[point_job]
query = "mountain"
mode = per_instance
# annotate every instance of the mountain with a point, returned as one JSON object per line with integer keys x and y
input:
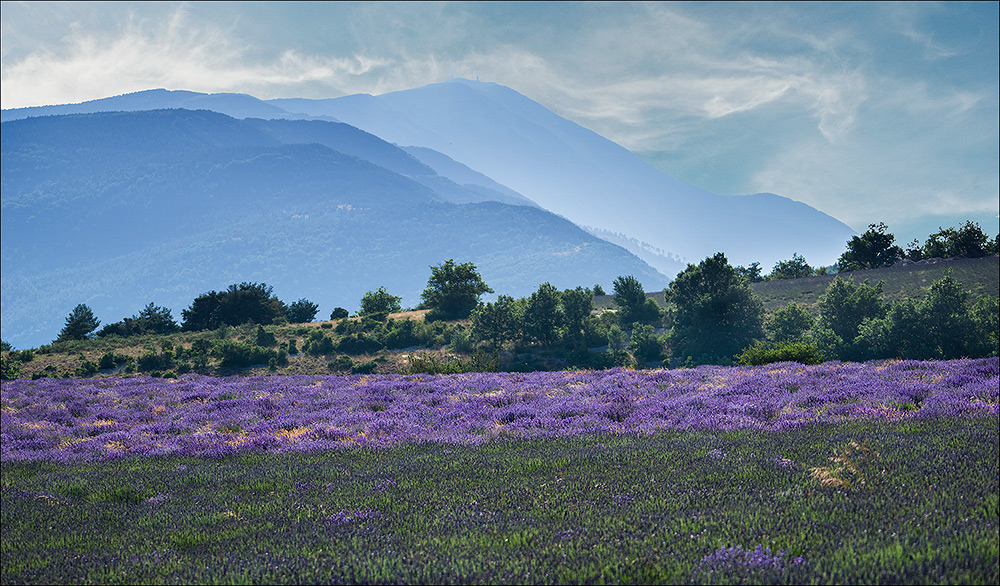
{"x": 123, "y": 208}
{"x": 590, "y": 180}
{"x": 539, "y": 158}
{"x": 235, "y": 105}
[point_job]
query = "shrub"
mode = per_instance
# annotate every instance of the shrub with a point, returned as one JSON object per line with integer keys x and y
{"x": 302, "y": 311}
{"x": 760, "y": 353}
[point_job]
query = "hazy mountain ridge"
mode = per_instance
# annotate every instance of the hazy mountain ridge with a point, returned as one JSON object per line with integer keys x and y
{"x": 120, "y": 209}
{"x": 576, "y": 173}
{"x": 556, "y": 164}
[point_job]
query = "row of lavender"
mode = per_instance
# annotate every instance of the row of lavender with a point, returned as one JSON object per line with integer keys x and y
{"x": 72, "y": 420}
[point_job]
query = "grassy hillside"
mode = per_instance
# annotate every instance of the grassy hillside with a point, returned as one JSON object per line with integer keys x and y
{"x": 903, "y": 280}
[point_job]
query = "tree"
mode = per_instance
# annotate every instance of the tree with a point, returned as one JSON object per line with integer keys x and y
{"x": 796, "y": 268}
{"x": 717, "y": 313}
{"x": 644, "y": 344}
{"x": 634, "y": 306}
{"x": 379, "y": 304}
{"x": 576, "y": 306}
{"x": 79, "y": 324}
{"x": 789, "y": 324}
{"x": 156, "y": 320}
{"x": 751, "y": 273}
{"x": 339, "y": 313}
{"x": 238, "y": 304}
{"x": 874, "y": 249}
{"x": 302, "y": 311}
{"x": 453, "y": 290}
{"x": 967, "y": 241}
{"x": 543, "y": 315}
{"x": 843, "y": 307}
{"x": 498, "y": 322}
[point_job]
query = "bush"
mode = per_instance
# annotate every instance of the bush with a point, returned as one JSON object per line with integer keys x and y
{"x": 238, "y": 354}
{"x": 265, "y": 338}
{"x": 339, "y": 313}
{"x": 760, "y": 353}
{"x": 302, "y": 311}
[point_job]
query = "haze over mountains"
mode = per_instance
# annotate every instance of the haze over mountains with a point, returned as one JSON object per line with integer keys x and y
{"x": 156, "y": 203}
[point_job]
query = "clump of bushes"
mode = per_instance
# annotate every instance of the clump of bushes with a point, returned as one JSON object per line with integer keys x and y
{"x": 762, "y": 353}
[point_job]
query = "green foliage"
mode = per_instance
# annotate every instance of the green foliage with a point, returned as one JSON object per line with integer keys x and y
{"x": 598, "y": 290}
{"x": 427, "y": 363}
{"x": 576, "y": 307}
{"x": 453, "y": 290}
{"x": 762, "y": 353}
{"x": 238, "y": 304}
{"x": 318, "y": 344}
{"x": 378, "y": 304}
{"x": 79, "y": 324}
{"x": 302, "y": 311}
{"x": 843, "y": 307}
{"x": 10, "y": 367}
{"x": 966, "y": 241}
{"x": 644, "y": 345}
{"x": 796, "y": 268}
{"x": 366, "y": 367}
{"x": 86, "y": 369}
{"x": 945, "y": 324}
{"x": 240, "y": 354}
{"x": 499, "y": 322}
{"x": 633, "y": 304}
{"x": 789, "y": 324}
{"x": 543, "y": 315}
{"x": 874, "y": 249}
{"x": 265, "y": 338}
{"x": 338, "y": 313}
{"x": 717, "y": 313}
{"x": 752, "y": 273}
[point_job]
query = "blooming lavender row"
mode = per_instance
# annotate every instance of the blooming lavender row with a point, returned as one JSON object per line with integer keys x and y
{"x": 72, "y": 420}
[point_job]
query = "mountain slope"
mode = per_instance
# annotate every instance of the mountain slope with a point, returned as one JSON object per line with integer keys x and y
{"x": 576, "y": 173}
{"x": 119, "y": 209}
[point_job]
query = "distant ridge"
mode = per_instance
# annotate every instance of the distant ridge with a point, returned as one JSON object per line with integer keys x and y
{"x": 120, "y": 209}
{"x": 550, "y": 161}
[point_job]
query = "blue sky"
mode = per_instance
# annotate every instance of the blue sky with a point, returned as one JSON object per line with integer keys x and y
{"x": 867, "y": 111}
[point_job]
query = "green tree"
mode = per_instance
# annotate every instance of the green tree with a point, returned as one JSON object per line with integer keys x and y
{"x": 156, "y": 320}
{"x": 237, "y": 305}
{"x": 966, "y": 241}
{"x": 576, "y": 307}
{"x": 543, "y": 315}
{"x": 751, "y": 272}
{"x": 789, "y": 324}
{"x": 633, "y": 303}
{"x": 338, "y": 313}
{"x": 379, "y": 304}
{"x": 717, "y": 313}
{"x": 79, "y": 324}
{"x": 302, "y": 311}
{"x": 843, "y": 307}
{"x": 498, "y": 322}
{"x": 944, "y": 324}
{"x": 874, "y": 249}
{"x": 796, "y": 268}
{"x": 644, "y": 345}
{"x": 453, "y": 290}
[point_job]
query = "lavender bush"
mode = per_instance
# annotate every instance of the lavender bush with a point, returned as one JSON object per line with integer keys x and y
{"x": 78, "y": 420}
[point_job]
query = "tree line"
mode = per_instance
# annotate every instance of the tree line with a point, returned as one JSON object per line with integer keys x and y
{"x": 710, "y": 316}
{"x": 877, "y": 248}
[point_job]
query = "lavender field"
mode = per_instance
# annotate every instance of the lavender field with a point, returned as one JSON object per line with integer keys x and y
{"x": 840, "y": 473}
{"x": 83, "y": 420}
